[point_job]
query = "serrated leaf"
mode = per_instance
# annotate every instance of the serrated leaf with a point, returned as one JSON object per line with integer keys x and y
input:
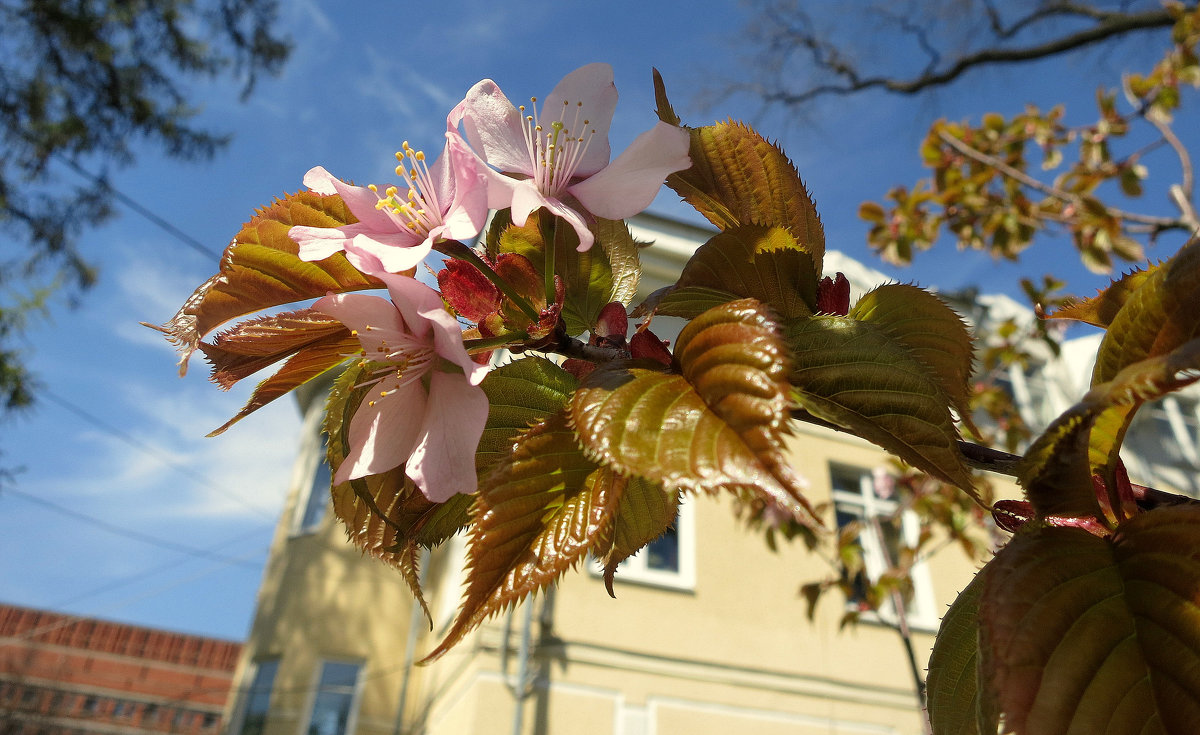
{"x": 1158, "y": 316}
{"x": 260, "y": 270}
{"x": 641, "y": 421}
{"x": 1057, "y": 470}
{"x": 764, "y": 263}
{"x": 1087, "y": 634}
{"x": 624, "y": 262}
{"x": 738, "y": 178}
{"x": 541, "y": 511}
{"x": 856, "y": 375}
{"x": 953, "y": 696}
{"x": 313, "y": 344}
{"x": 933, "y": 333}
{"x": 384, "y": 515}
{"x": 1100, "y": 310}
{"x": 646, "y": 511}
{"x": 520, "y": 394}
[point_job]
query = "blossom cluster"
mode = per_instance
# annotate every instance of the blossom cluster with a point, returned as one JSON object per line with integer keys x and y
{"x": 425, "y": 409}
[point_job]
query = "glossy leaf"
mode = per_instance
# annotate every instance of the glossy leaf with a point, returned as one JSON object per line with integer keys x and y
{"x": 646, "y": 511}
{"x": 1095, "y": 635}
{"x": 659, "y": 426}
{"x": 690, "y": 302}
{"x": 543, "y": 508}
{"x": 520, "y": 394}
{"x": 738, "y": 178}
{"x": 931, "y": 331}
{"x": 764, "y": 263}
{"x": 953, "y": 696}
{"x": 1100, "y": 310}
{"x": 856, "y": 375}
{"x": 260, "y": 270}
{"x": 312, "y": 343}
{"x": 1157, "y": 317}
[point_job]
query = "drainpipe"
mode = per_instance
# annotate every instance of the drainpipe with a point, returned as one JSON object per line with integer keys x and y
{"x": 520, "y": 688}
{"x": 415, "y": 620}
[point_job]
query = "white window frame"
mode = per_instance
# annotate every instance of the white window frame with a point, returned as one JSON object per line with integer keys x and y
{"x": 355, "y": 694}
{"x": 636, "y": 568}
{"x": 922, "y": 607}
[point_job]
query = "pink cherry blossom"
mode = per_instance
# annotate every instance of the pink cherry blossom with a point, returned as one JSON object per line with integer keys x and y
{"x": 396, "y": 230}
{"x": 425, "y": 408}
{"x": 558, "y": 159}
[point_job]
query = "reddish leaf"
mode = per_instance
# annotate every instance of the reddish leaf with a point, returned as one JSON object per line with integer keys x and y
{"x": 543, "y": 508}
{"x": 260, "y": 270}
{"x": 469, "y": 292}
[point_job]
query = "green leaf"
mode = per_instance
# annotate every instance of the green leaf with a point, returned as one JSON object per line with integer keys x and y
{"x": 719, "y": 425}
{"x": 690, "y": 302}
{"x": 1057, "y": 470}
{"x": 260, "y": 269}
{"x": 1100, "y": 310}
{"x": 646, "y": 511}
{"x": 764, "y": 263}
{"x": 952, "y": 688}
{"x": 856, "y": 375}
{"x": 520, "y": 394}
{"x": 589, "y": 279}
{"x": 738, "y": 178}
{"x": 542, "y": 510}
{"x": 931, "y": 331}
{"x": 1158, "y": 316}
{"x": 1084, "y": 634}
{"x": 313, "y": 344}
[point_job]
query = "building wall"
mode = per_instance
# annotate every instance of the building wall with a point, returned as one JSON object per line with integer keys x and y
{"x": 61, "y": 674}
{"x": 728, "y": 649}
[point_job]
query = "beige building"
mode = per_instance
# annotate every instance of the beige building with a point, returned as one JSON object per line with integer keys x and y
{"x": 708, "y": 634}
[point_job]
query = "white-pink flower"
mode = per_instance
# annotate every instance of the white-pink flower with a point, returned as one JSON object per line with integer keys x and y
{"x": 425, "y": 409}
{"x": 558, "y": 158}
{"x": 397, "y": 229}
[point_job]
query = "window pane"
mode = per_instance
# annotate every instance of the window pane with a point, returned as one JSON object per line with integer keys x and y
{"x": 663, "y": 552}
{"x": 334, "y": 700}
{"x": 318, "y": 492}
{"x": 258, "y": 699}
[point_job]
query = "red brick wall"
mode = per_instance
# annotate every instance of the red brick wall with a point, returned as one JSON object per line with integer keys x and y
{"x": 61, "y": 675}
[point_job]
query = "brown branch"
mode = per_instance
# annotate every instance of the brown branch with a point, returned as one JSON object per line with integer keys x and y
{"x": 1108, "y": 26}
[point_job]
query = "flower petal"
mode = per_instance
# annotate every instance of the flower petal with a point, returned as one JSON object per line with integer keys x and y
{"x": 396, "y": 253}
{"x": 593, "y": 86}
{"x": 375, "y": 320}
{"x": 628, "y": 184}
{"x": 442, "y": 464}
{"x": 495, "y": 126}
{"x": 385, "y": 430}
{"x": 359, "y": 199}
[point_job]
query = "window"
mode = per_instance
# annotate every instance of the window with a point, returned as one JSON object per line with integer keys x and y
{"x": 334, "y": 703}
{"x": 668, "y": 561}
{"x": 257, "y": 701}
{"x": 882, "y": 536}
{"x": 313, "y": 504}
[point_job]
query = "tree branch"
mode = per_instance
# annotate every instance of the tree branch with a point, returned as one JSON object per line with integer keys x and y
{"x": 1108, "y": 26}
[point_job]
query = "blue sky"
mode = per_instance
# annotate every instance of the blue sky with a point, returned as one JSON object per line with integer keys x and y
{"x": 119, "y": 437}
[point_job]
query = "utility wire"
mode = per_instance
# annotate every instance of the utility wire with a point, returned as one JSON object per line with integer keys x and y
{"x": 157, "y": 453}
{"x": 124, "y": 532}
{"x": 137, "y": 207}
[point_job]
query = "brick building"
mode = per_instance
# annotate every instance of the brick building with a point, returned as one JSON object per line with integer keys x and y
{"x": 63, "y": 675}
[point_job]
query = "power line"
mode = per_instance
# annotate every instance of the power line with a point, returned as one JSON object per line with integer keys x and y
{"x": 157, "y": 453}
{"x": 137, "y": 207}
{"x": 122, "y": 531}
